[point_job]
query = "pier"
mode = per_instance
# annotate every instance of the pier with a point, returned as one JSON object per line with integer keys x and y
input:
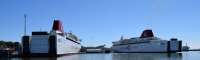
{"x": 97, "y": 49}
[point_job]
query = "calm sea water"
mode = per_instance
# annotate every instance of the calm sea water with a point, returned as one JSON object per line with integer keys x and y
{"x": 122, "y": 56}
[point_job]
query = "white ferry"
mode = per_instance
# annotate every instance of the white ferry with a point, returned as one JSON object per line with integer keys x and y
{"x": 146, "y": 43}
{"x": 54, "y": 43}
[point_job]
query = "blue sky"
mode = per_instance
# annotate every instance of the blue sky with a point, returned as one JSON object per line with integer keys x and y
{"x": 99, "y": 22}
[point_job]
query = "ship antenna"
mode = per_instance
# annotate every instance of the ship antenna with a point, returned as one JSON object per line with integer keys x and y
{"x": 25, "y": 16}
{"x": 40, "y": 29}
{"x": 186, "y": 44}
{"x": 122, "y": 37}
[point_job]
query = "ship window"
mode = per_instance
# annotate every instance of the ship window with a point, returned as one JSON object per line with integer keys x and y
{"x": 162, "y": 43}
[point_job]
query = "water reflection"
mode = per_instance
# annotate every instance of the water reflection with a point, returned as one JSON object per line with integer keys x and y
{"x": 98, "y": 56}
{"x": 147, "y": 56}
{"x": 112, "y": 56}
{"x": 39, "y": 58}
{"x": 68, "y": 57}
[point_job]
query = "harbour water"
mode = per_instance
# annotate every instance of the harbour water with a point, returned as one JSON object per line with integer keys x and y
{"x": 121, "y": 56}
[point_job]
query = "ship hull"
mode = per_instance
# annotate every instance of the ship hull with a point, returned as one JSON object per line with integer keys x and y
{"x": 65, "y": 46}
{"x": 45, "y": 45}
{"x": 151, "y": 47}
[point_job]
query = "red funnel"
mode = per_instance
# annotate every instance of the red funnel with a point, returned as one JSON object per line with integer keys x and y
{"x": 147, "y": 33}
{"x": 57, "y": 25}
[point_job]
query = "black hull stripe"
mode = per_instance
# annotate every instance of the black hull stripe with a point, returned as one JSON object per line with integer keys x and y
{"x": 52, "y": 46}
{"x": 70, "y": 39}
{"x": 73, "y": 41}
{"x": 25, "y": 44}
{"x": 180, "y": 46}
{"x": 168, "y": 46}
{"x": 132, "y": 43}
